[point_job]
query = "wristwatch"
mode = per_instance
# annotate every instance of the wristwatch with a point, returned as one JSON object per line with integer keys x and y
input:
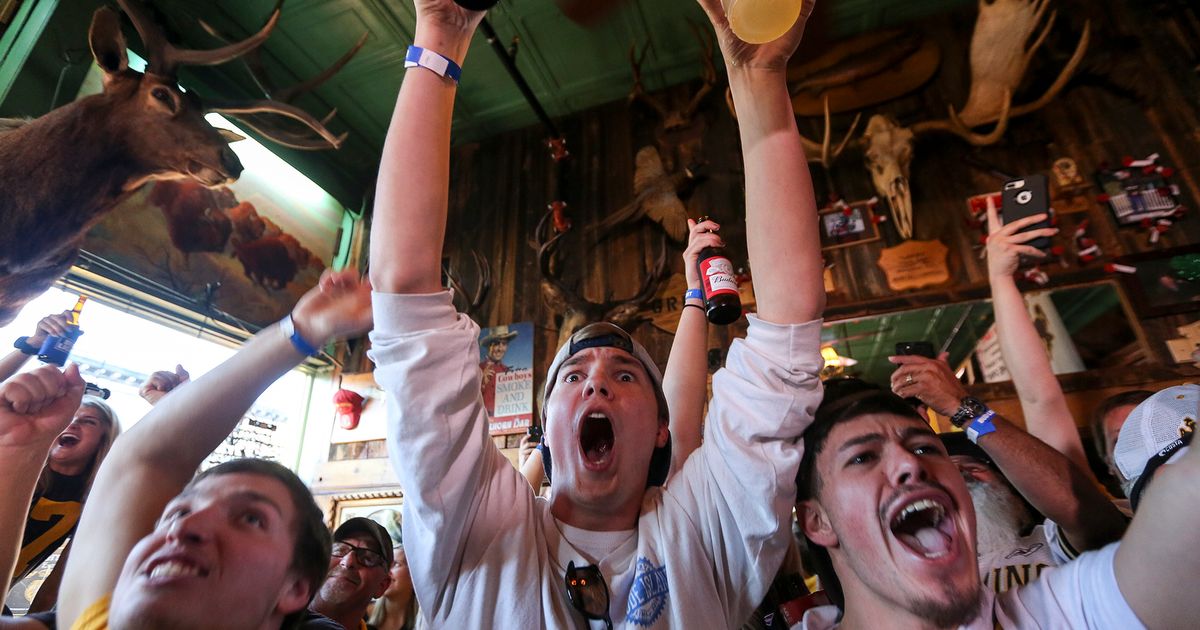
{"x": 22, "y": 344}
{"x": 968, "y": 410}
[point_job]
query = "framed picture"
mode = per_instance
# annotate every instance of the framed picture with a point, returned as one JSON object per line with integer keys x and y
{"x": 844, "y": 224}
{"x": 1163, "y": 283}
{"x": 1135, "y": 193}
{"x": 383, "y": 508}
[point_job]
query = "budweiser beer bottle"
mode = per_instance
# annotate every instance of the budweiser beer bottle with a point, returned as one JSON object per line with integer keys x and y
{"x": 721, "y": 302}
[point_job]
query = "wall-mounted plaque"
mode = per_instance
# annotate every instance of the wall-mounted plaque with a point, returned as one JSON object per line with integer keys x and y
{"x": 915, "y": 264}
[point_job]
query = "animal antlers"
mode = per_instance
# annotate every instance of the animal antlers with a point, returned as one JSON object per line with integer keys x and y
{"x": 674, "y": 119}
{"x": 577, "y": 310}
{"x": 164, "y": 58}
{"x": 281, "y": 99}
{"x": 1000, "y": 56}
{"x": 820, "y": 153}
{"x": 484, "y": 271}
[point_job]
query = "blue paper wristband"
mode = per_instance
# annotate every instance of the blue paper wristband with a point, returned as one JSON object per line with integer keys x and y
{"x": 436, "y": 63}
{"x": 981, "y": 426}
{"x": 693, "y": 294}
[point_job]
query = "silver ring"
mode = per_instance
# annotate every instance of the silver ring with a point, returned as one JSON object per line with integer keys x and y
{"x": 908, "y": 379}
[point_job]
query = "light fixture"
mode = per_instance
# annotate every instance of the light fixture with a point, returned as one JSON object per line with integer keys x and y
{"x": 833, "y": 359}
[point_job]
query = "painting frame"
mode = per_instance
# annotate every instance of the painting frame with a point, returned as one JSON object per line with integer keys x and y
{"x": 370, "y": 505}
{"x": 848, "y": 223}
{"x": 1147, "y": 293}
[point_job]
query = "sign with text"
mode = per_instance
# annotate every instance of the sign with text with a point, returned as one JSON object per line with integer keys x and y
{"x": 915, "y": 264}
{"x": 506, "y": 363}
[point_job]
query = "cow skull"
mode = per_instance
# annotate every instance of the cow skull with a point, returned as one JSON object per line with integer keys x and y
{"x": 888, "y": 152}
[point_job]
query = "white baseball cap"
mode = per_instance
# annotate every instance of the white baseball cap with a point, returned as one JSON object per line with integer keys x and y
{"x": 1157, "y": 432}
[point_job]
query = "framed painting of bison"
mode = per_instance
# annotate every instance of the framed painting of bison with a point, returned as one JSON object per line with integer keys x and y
{"x": 265, "y": 238}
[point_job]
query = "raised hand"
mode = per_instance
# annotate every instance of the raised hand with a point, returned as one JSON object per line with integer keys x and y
{"x": 447, "y": 17}
{"x": 49, "y": 326}
{"x": 1006, "y": 243}
{"x": 770, "y": 56}
{"x": 163, "y": 382}
{"x": 929, "y": 380}
{"x": 337, "y": 308}
{"x": 38, "y": 405}
{"x": 700, "y": 235}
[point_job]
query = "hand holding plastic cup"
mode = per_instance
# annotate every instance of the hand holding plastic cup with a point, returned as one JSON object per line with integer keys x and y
{"x": 761, "y": 21}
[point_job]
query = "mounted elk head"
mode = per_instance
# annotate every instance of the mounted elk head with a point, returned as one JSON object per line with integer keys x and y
{"x": 92, "y": 153}
{"x": 1000, "y": 54}
{"x": 576, "y": 310}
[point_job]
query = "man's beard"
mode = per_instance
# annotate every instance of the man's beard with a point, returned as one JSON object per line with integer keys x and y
{"x": 958, "y": 610}
{"x": 1000, "y": 517}
{"x": 336, "y": 591}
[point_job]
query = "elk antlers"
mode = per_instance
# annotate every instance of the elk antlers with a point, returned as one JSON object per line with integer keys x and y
{"x": 577, "y": 310}
{"x": 165, "y": 60}
{"x": 674, "y": 119}
{"x": 454, "y": 279}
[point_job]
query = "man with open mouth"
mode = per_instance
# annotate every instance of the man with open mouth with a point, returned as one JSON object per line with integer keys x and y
{"x": 611, "y": 547}
{"x": 890, "y": 522}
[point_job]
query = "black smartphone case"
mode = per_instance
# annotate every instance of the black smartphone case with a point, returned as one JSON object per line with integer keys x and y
{"x": 1026, "y": 197}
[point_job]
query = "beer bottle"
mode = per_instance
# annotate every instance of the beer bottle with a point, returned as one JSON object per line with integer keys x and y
{"x": 721, "y": 302}
{"x": 57, "y": 348}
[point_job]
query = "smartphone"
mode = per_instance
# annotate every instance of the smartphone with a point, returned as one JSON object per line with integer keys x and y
{"x": 1025, "y": 197}
{"x": 535, "y": 432}
{"x": 919, "y": 348}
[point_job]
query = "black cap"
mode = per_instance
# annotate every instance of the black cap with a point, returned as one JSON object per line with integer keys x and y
{"x": 372, "y": 530}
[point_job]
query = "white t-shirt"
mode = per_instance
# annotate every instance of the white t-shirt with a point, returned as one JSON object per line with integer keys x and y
{"x": 1079, "y": 595}
{"x": 1024, "y": 561}
{"x": 485, "y": 553}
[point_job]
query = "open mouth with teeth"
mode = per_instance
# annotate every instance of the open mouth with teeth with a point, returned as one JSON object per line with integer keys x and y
{"x": 66, "y": 439}
{"x": 169, "y": 569}
{"x": 924, "y": 527}
{"x": 596, "y": 439}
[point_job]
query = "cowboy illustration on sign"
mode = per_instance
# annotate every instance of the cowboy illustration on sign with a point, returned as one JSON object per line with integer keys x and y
{"x": 506, "y": 360}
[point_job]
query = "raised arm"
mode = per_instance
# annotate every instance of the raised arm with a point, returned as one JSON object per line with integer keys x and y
{"x": 1052, "y": 483}
{"x": 34, "y": 408}
{"x": 685, "y": 380}
{"x": 1159, "y": 558}
{"x": 155, "y": 459}
{"x": 781, "y": 209}
{"x": 1042, "y": 401}
{"x": 49, "y": 325}
{"x": 409, "y": 221}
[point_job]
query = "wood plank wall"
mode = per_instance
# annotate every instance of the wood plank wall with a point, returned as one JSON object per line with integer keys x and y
{"x": 1137, "y": 94}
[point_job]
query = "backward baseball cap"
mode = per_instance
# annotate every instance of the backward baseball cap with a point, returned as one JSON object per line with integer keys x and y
{"x": 609, "y": 335}
{"x": 1157, "y": 432}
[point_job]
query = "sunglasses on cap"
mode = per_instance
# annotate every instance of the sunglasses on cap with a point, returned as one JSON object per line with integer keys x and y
{"x": 367, "y": 557}
{"x": 588, "y": 592}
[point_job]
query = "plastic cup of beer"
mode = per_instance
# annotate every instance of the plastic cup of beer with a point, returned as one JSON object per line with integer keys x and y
{"x": 761, "y": 21}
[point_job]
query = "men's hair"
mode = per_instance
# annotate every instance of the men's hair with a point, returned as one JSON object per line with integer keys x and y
{"x": 1131, "y": 398}
{"x": 844, "y": 400}
{"x": 310, "y": 555}
{"x": 112, "y": 429}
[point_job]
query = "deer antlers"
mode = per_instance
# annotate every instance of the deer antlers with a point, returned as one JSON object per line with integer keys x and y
{"x": 577, "y": 310}
{"x": 674, "y": 119}
{"x": 165, "y": 60}
{"x": 454, "y": 279}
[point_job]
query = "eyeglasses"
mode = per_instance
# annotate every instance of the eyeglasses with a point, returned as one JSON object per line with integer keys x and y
{"x": 367, "y": 557}
{"x": 588, "y": 592}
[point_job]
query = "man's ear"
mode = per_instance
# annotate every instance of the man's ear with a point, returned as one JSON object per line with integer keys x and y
{"x": 294, "y": 595}
{"x": 815, "y": 523}
{"x": 383, "y": 586}
{"x": 664, "y": 432}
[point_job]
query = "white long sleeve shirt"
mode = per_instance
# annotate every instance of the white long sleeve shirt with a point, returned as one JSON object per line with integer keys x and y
{"x": 485, "y": 553}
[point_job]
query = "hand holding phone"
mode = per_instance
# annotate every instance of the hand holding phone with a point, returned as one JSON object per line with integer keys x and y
{"x": 1026, "y": 197}
{"x": 918, "y": 348}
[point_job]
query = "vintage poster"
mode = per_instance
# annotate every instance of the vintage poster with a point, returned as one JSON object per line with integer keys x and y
{"x": 506, "y": 363}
